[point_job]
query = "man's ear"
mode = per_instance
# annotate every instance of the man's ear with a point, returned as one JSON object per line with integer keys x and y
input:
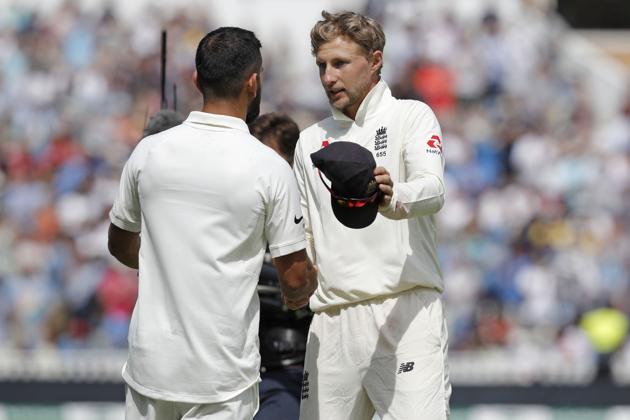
{"x": 377, "y": 62}
{"x": 251, "y": 85}
{"x": 195, "y": 79}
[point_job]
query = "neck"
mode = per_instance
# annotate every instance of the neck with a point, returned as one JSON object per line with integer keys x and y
{"x": 229, "y": 107}
{"x": 351, "y": 112}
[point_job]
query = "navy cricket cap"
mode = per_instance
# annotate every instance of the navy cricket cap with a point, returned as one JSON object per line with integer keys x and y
{"x": 354, "y": 193}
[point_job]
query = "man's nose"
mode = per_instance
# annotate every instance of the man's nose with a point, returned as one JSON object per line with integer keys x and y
{"x": 329, "y": 76}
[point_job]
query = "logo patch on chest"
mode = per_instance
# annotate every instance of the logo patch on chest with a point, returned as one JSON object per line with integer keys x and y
{"x": 380, "y": 142}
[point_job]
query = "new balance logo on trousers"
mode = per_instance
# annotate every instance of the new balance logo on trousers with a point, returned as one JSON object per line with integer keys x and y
{"x": 405, "y": 367}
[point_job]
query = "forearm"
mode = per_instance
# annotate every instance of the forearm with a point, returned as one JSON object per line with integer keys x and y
{"x": 128, "y": 256}
{"x": 298, "y": 278}
{"x": 298, "y": 284}
{"x": 124, "y": 246}
{"x": 422, "y": 196}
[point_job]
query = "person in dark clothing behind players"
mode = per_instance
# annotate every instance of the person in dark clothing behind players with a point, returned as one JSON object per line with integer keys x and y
{"x": 282, "y": 333}
{"x": 162, "y": 120}
{"x": 277, "y": 131}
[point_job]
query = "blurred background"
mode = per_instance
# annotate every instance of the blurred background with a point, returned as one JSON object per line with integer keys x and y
{"x": 534, "y": 101}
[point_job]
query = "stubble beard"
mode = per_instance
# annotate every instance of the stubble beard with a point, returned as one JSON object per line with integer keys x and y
{"x": 349, "y": 98}
{"x": 343, "y": 103}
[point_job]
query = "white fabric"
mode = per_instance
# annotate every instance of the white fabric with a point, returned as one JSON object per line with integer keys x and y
{"x": 398, "y": 251}
{"x": 206, "y": 197}
{"x": 241, "y": 407}
{"x": 386, "y": 355}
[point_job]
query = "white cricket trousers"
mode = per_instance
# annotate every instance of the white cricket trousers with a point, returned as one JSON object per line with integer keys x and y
{"x": 242, "y": 407}
{"x": 386, "y": 355}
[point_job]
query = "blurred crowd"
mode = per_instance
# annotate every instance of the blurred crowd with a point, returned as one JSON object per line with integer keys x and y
{"x": 534, "y": 233}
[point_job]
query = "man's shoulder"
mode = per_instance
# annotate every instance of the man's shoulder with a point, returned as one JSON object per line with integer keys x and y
{"x": 265, "y": 157}
{"x": 410, "y": 112}
{"x": 313, "y": 135}
{"x": 412, "y": 106}
{"x": 318, "y": 127}
{"x": 142, "y": 148}
{"x": 154, "y": 140}
{"x": 266, "y": 153}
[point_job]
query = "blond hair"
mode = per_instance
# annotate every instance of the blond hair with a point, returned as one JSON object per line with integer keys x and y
{"x": 364, "y": 31}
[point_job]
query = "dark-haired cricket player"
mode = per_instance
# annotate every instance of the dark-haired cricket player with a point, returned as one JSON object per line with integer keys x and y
{"x": 206, "y": 198}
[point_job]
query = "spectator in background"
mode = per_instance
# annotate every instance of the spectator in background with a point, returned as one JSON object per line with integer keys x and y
{"x": 277, "y": 131}
{"x": 606, "y": 329}
{"x": 494, "y": 54}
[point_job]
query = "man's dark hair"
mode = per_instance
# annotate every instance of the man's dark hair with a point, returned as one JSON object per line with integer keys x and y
{"x": 225, "y": 58}
{"x": 278, "y": 131}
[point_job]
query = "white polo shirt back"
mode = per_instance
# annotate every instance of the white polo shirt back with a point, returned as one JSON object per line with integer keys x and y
{"x": 206, "y": 197}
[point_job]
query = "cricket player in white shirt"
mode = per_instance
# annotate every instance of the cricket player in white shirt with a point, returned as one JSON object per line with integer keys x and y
{"x": 378, "y": 339}
{"x": 197, "y": 205}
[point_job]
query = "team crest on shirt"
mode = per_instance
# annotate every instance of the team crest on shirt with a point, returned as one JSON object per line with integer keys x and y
{"x": 435, "y": 145}
{"x": 380, "y": 142}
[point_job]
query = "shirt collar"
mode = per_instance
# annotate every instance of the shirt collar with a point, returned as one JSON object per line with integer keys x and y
{"x": 375, "y": 100}
{"x": 206, "y": 120}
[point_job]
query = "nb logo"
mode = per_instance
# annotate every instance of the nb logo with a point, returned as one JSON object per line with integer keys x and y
{"x": 405, "y": 367}
{"x": 305, "y": 386}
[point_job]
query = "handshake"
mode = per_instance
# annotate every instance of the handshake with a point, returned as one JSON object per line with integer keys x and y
{"x": 298, "y": 278}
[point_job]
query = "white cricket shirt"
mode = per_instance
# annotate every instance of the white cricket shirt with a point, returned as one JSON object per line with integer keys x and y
{"x": 398, "y": 251}
{"x": 206, "y": 197}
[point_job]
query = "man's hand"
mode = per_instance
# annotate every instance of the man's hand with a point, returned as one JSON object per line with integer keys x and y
{"x": 298, "y": 278}
{"x": 385, "y": 185}
{"x": 309, "y": 289}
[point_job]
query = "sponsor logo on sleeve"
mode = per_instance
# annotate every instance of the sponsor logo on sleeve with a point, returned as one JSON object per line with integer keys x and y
{"x": 435, "y": 145}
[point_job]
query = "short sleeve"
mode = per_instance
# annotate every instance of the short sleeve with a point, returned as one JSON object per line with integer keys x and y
{"x": 125, "y": 212}
{"x": 284, "y": 223}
